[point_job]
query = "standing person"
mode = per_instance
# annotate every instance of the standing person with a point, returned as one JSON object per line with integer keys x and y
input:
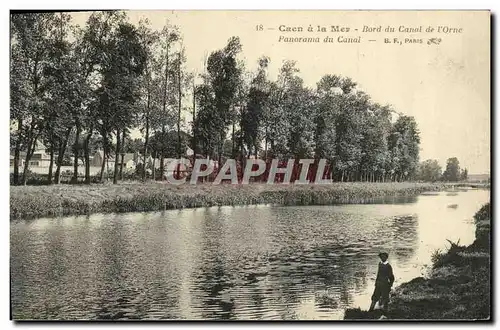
{"x": 383, "y": 283}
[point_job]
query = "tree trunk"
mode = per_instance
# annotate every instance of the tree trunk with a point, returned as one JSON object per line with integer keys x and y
{"x": 29, "y": 153}
{"x": 87, "y": 156}
{"x": 148, "y": 106}
{"x": 265, "y": 146}
{"x": 105, "y": 152}
{"x": 103, "y": 165}
{"x": 57, "y": 175}
{"x": 163, "y": 129}
{"x": 17, "y": 151}
{"x": 60, "y": 156}
{"x": 154, "y": 167}
{"x": 117, "y": 157}
{"x": 107, "y": 165}
{"x": 16, "y": 164}
{"x": 51, "y": 165}
{"x": 233, "y": 142}
{"x": 121, "y": 166}
{"x": 146, "y": 142}
{"x": 179, "y": 96}
{"x": 221, "y": 150}
{"x": 123, "y": 155}
{"x": 76, "y": 154}
{"x": 195, "y": 142}
{"x": 162, "y": 155}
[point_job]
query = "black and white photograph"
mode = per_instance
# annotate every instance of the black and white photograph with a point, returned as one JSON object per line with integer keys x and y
{"x": 250, "y": 165}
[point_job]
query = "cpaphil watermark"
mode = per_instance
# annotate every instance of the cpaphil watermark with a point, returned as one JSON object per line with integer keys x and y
{"x": 203, "y": 168}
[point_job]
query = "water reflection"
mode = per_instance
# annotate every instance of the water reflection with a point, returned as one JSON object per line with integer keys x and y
{"x": 252, "y": 262}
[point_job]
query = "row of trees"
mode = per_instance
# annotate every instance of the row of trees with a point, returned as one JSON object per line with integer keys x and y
{"x": 430, "y": 170}
{"x": 286, "y": 119}
{"x": 82, "y": 88}
{"x": 91, "y": 86}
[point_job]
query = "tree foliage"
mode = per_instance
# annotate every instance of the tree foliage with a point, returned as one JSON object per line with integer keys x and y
{"x": 429, "y": 170}
{"x": 452, "y": 171}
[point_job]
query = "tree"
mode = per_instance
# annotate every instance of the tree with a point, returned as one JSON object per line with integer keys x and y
{"x": 81, "y": 89}
{"x": 348, "y": 129}
{"x": 169, "y": 143}
{"x": 181, "y": 81}
{"x": 95, "y": 48}
{"x": 327, "y": 108}
{"x": 452, "y": 172}
{"x": 19, "y": 97}
{"x": 429, "y": 170}
{"x": 404, "y": 143}
{"x": 374, "y": 144}
{"x": 222, "y": 78}
{"x": 277, "y": 125}
{"x": 298, "y": 103}
{"x": 464, "y": 175}
{"x": 205, "y": 121}
{"x": 30, "y": 45}
{"x": 150, "y": 41}
{"x": 62, "y": 93}
{"x": 255, "y": 108}
{"x": 168, "y": 37}
{"x": 119, "y": 91}
{"x": 133, "y": 146}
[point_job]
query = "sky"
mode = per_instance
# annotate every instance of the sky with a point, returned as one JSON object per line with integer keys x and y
{"x": 446, "y": 87}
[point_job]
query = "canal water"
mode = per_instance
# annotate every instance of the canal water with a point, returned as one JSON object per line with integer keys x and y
{"x": 251, "y": 262}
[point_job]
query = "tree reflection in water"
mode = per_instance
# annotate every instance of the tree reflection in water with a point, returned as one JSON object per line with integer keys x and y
{"x": 250, "y": 262}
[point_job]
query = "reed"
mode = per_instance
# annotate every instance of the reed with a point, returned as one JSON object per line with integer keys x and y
{"x": 27, "y": 202}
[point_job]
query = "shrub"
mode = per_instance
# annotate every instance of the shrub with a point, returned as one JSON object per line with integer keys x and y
{"x": 484, "y": 213}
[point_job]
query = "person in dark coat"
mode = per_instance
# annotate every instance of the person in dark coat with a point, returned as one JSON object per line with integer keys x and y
{"x": 383, "y": 283}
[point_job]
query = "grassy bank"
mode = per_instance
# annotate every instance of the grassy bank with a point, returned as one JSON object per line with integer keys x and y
{"x": 458, "y": 286}
{"x": 28, "y": 202}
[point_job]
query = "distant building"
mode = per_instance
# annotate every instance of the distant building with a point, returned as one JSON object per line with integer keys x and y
{"x": 72, "y": 160}
{"x": 21, "y": 159}
{"x": 149, "y": 161}
{"x": 98, "y": 158}
{"x": 40, "y": 157}
{"x": 128, "y": 161}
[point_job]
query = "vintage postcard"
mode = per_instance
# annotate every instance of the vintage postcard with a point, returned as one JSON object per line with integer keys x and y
{"x": 250, "y": 165}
